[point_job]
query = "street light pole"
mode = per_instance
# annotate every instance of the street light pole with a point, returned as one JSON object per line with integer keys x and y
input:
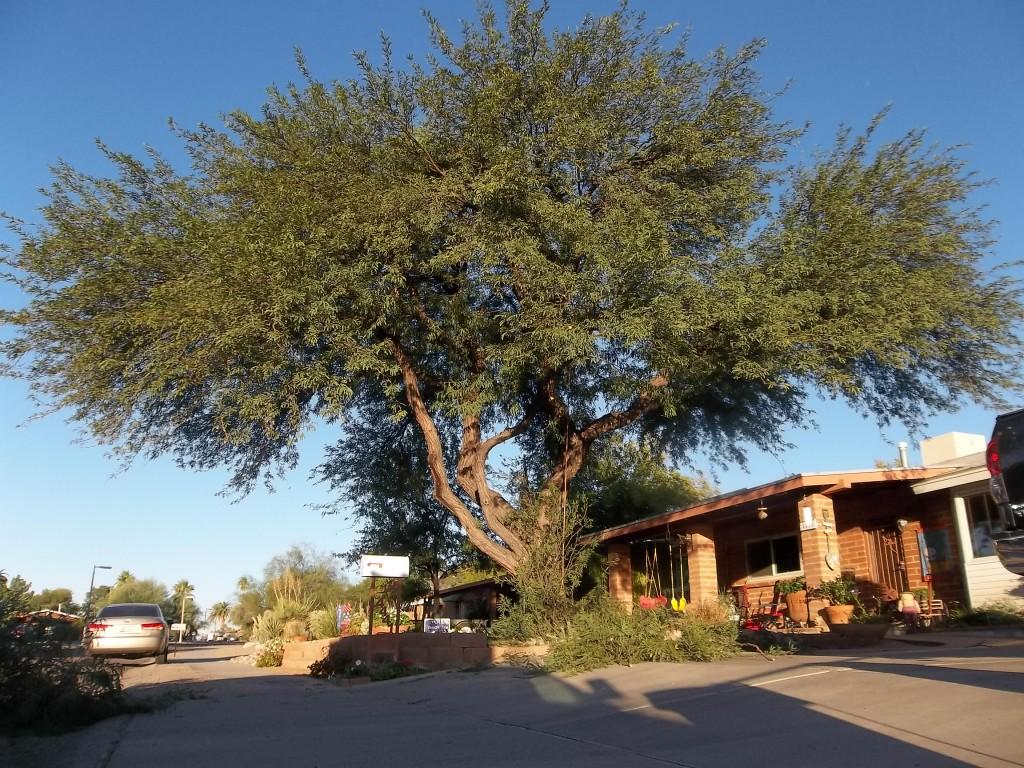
{"x": 92, "y": 582}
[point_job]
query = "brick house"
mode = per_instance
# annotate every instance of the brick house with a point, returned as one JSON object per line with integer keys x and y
{"x": 891, "y": 529}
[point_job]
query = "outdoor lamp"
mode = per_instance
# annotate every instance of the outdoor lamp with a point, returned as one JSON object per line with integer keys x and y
{"x": 762, "y": 511}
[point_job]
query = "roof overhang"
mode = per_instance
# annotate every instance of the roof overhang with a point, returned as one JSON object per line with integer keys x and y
{"x": 826, "y": 483}
{"x": 960, "y": 477}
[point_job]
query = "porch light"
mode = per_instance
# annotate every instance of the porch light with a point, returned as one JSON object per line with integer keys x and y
{"x": 762, "y": 511}
{"x": 902, "y": 523}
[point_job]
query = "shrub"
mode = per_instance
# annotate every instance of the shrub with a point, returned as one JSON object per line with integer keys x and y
{"x": 271, "y": 654}
{"x": 266, "y": 627}
{"x": 43, "y": 689}
{"x": 999, "y": 612}
{"x": 604, "y": 634}
{"x": 323, "y": 624}
{"x": 294, "y": 628}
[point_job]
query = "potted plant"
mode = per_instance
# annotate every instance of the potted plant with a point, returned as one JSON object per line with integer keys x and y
{"x": 869, "y": 627}
{"x": 795, "y": 593}
{"x": 841, "y": 592}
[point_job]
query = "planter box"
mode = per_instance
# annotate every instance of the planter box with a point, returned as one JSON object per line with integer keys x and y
{"x": 864, "y": 632}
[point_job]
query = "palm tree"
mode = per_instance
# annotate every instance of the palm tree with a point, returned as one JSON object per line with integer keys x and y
{"x": 220, "y": 612}
{"x": 182, "y": 591}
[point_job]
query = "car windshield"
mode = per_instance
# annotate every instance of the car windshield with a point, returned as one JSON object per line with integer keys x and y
{"x": 131, "y": 609}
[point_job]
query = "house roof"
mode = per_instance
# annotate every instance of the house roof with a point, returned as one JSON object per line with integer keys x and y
{"x": 829, "y": 482}
{"x": 466, "y": 586}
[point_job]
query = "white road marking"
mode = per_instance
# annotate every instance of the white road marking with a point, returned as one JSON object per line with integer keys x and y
{"x": 795, "y": 677}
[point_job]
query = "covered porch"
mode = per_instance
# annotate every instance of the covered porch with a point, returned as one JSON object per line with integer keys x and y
{"x": 863, "y": 524}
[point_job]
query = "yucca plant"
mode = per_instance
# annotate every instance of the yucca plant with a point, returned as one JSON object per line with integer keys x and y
{"x": 266, "y": 627}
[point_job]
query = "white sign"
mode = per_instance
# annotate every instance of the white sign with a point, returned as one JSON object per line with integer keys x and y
{"x": 384, "y": 566}
{"x": 176, "y": 627}
{"x": 437, "y": 626}
{"x": 807, "y": 521}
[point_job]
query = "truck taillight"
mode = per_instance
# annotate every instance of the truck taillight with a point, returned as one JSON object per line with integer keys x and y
{"x": 992, "y": 457}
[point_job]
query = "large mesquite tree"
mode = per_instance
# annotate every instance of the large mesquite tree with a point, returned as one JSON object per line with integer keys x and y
{"x": 532, "y": 236}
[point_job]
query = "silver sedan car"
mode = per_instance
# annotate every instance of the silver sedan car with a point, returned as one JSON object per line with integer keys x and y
{"x": 129, "y": 629}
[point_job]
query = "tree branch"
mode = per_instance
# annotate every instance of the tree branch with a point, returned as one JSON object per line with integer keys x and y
{"x": 443, "y": 492}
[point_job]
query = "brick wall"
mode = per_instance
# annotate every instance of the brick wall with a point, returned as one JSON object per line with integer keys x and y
{"x": 856, "y": 514}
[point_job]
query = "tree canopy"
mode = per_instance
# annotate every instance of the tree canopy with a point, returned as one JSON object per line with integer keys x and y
{"x": 533, "y": 236}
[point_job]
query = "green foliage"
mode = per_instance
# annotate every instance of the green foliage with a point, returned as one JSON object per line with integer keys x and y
{"x": 328, "y": 669}
{"x": 271, "y": 654}
{"x": 789, "y": 586}
{"x": 139, "y": 591}
{"x": 267, "y": 627}
{"x": 380, "y": 475}
{"x": 546, "y": 580}
{"x": 995, "y": 613}
{"x": 293, "y": 628}
{"x": 54, "y": 599}
{"x": 42, "y": 688}
{"x": 323, "y": 624}
{"x": 604, "y": 634}
{"x": 540, "y": 236}
{"x": 15, "y": 596}
{"x": 838, "y": 591}
{"x": 626, "y": 480}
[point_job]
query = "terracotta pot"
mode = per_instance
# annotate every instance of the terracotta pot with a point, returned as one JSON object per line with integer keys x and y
{"x": 837, "y": 614}
{"x": 796, "y": 606}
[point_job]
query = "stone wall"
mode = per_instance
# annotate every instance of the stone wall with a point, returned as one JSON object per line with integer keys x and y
{"x": 455, "y": 650}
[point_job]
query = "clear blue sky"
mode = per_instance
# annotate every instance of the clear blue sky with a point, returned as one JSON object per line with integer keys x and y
{"x": 74, "y": 71}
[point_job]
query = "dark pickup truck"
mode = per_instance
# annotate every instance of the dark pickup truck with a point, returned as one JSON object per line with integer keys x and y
{"x": 1005, "y": 458}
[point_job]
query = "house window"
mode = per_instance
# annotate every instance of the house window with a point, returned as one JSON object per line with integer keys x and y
{"x": 984, "y": 520}
{"x": 772, "y": 557}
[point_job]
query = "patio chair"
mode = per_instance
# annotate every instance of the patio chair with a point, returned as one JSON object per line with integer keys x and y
{"x": 934, "y": 612}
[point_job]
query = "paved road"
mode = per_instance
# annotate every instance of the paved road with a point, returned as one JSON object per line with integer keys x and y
{"x": 961, "y": 704}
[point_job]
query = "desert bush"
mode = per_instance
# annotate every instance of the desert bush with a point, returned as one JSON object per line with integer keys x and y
{"x": 271, "y": 654}
{"x": 266, "y": 627}
{"x": 43, "y": 689}
{"x": 294, "y": 628}
{"x": 547, "y": 578}
{"x": 603, "y": 634}
{"x": 323, "y": 624}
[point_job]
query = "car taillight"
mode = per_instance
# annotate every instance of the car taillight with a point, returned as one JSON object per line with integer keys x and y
{"x": 154, "y": 625}
{"x": 95, "y": 627}
{"x": 992, "y": 457}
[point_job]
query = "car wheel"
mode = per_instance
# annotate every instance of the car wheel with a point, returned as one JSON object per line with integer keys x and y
{"x": 161, "y": 658}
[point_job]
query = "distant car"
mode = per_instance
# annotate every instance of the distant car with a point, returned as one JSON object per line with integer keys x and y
{"x": 135, "y": 630}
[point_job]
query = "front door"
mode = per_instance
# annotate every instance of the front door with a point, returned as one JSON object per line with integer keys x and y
{"x": 888, "y": 567}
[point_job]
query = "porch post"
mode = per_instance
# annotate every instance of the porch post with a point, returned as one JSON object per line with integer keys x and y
{"x": 620, "y": 575}
{"x": 819, "y": 545}
{"x": 702, "y": 565}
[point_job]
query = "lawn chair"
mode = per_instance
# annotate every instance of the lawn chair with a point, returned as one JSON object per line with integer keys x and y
{"x": 934, "y": 612}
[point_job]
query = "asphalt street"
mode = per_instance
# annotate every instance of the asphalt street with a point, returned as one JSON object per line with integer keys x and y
{"x": 958, "y": 704}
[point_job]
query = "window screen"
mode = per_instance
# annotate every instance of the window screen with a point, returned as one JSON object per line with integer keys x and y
{"x": 769, "y": 557}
